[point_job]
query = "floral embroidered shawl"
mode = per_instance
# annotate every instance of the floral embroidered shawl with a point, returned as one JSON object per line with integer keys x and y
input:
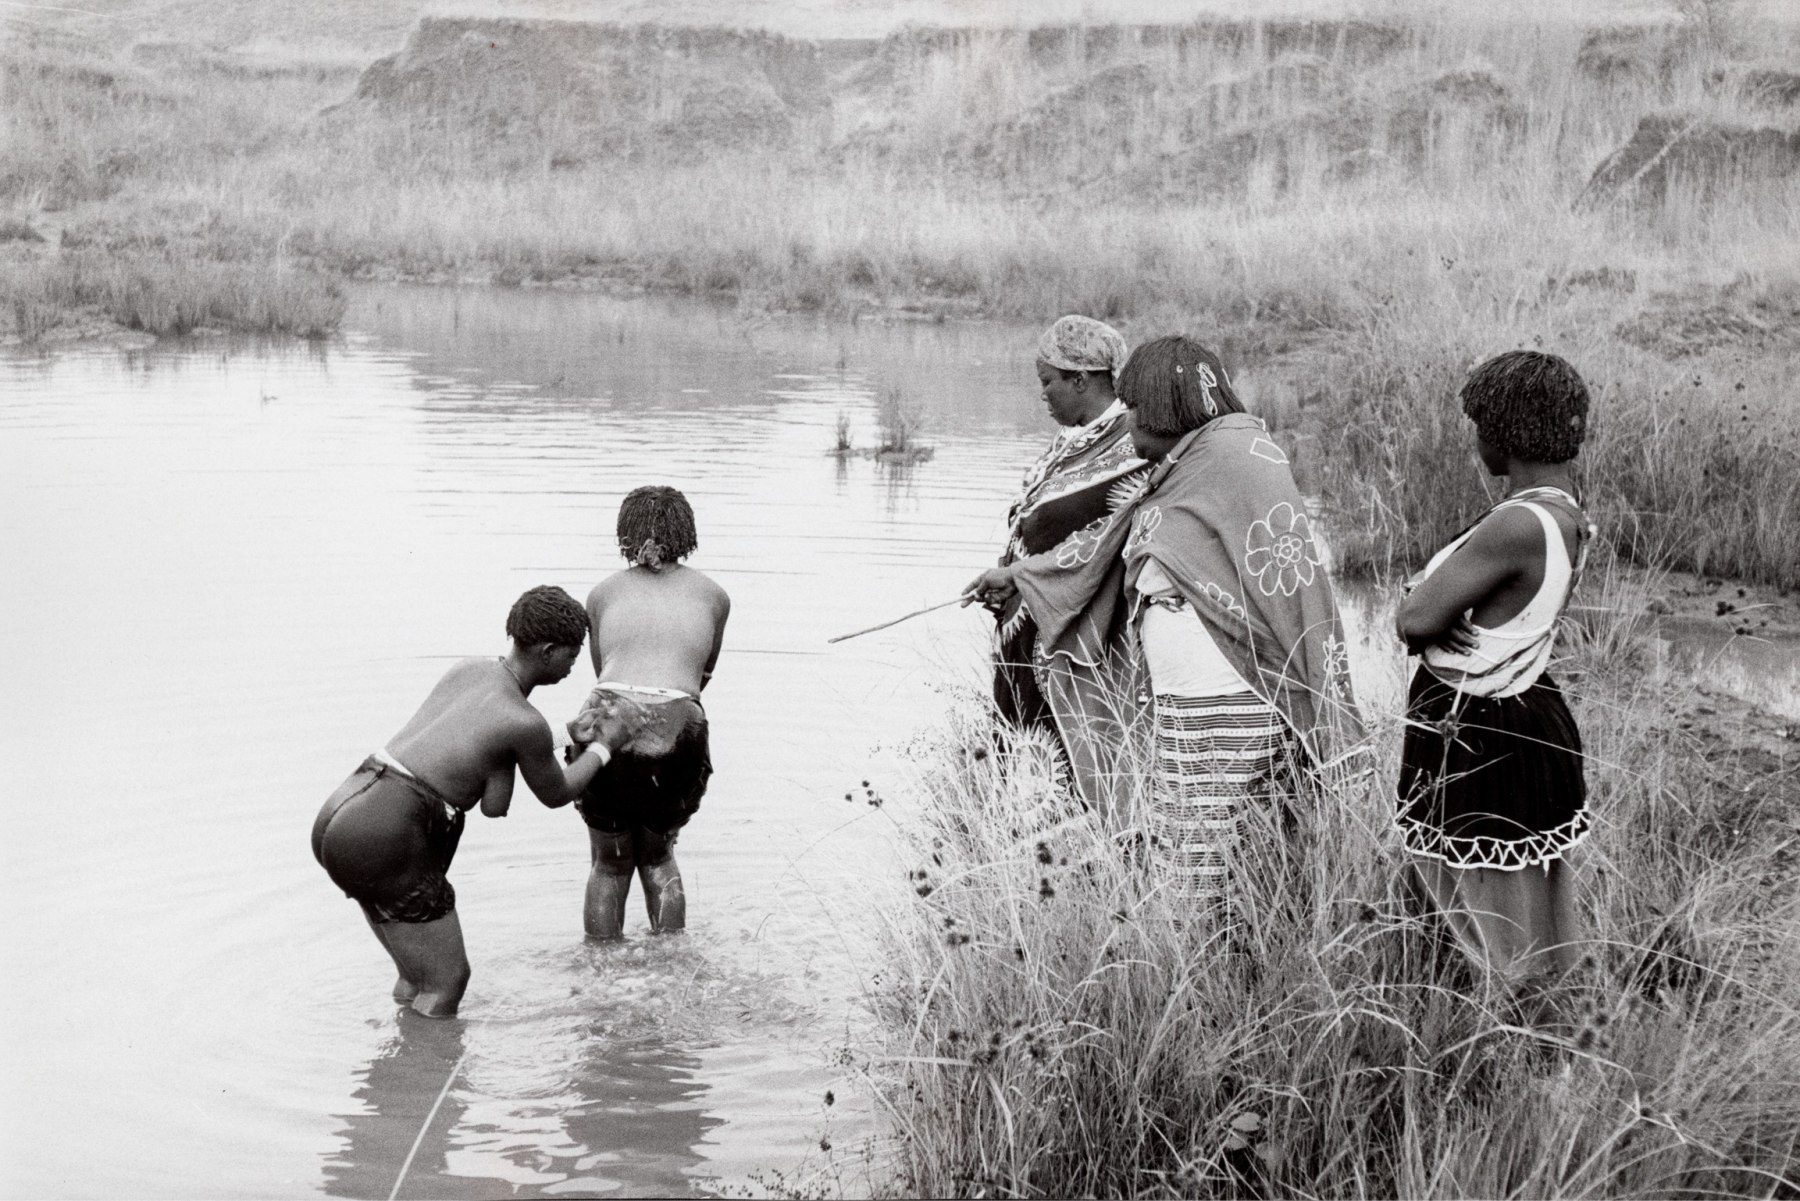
{"x": 1222, "y": 516}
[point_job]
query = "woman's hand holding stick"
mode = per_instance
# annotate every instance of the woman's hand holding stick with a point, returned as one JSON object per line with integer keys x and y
{"x": 993, "y": 588}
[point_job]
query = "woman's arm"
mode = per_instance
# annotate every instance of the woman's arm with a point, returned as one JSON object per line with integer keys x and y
{"x": 722, "y": 615}
{"x": 996, "y": 587}
{"x": 1436, "y": 612}
{"x": 556, "y": 785}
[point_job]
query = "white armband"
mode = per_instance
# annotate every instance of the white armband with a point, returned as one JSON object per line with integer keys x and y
{"x": 598, "y": 750}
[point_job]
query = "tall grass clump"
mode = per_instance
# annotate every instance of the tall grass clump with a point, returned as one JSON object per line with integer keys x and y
{"x": 899, "y": 421}
{"x": 1060, "y": 1029}
{"x": 171, "y": 296}
{"x": 1691, "y": 468}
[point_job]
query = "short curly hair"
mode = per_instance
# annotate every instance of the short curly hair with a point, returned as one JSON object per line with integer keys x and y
{"x": 1531, "y": 405}
{"x": 1174, "y": 385}
{"x": 656, "y": 526}
{"x": 547, "y": 614}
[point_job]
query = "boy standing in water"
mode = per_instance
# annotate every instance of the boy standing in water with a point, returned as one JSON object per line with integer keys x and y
{"x": 386, "y": 836}
{"x": 657, "y": 627}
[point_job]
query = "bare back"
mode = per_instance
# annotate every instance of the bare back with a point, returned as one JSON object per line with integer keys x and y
{"x": 658, "y": 628}
{"x": 470, "y": 726}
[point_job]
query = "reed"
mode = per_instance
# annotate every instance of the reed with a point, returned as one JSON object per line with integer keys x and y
{"x": 1058, "y": 1030}
{"x": 899, "y": 420}
{"x": 162, "y": 295}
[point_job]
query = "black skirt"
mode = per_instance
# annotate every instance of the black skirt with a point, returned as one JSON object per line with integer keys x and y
{"x": 1490, "y": 782}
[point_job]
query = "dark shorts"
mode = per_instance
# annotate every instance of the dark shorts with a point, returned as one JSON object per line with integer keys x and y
{"x": 625, "y": 851}
{"x": 1494, "y": 782}
{"x": 387, "y": 839}
{"x": 655, "y": 781}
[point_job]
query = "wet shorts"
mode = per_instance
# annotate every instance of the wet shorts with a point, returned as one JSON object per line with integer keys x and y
{"x": 386, "y": 838}
{"x": 654, "y": 782}
{"x": 624, "y": 851}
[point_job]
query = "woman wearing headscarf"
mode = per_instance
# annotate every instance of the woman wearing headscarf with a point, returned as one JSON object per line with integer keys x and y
{"x": 1088, "y": 469}
{"x": 1216, "y": 569}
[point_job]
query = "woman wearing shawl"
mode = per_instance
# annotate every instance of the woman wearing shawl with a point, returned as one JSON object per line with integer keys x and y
{"x": 1491, "y": 790}
{"x": 1216, "y": 568}
{"x": 1088, "y": 469}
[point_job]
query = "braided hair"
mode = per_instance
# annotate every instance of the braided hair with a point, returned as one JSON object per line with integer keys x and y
{"x": 1531, "y": 405}
{"x": 547, "y": 614}
{"x": 656, "y": 526}
{"x": 1174, "y": 385}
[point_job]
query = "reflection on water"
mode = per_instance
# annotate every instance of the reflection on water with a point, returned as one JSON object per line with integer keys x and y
{"x": 628, "y": 1118}
{"x": 399, "y": 1089}
{"x": 636, "y": 1121}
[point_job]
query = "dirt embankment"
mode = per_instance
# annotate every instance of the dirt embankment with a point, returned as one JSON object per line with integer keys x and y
{"x": 1703, "y": 151}
{"x": 1210, "y": 105}
{"x": 603, "y": 88}
{"x": 993, "y": 103}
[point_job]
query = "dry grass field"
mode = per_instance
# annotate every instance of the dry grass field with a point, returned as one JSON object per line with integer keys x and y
{"x": 1059, "y": 1032}
{"x": 1356, "y": 209}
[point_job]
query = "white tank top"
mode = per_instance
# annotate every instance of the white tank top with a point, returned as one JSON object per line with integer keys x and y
{"x": 1509, "y": 657}
{"x": 1178, "y": 648}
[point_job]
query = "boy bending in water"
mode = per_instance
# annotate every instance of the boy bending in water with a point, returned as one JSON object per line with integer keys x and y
{"x": 657, "y": 628}
{"x": 387, "y": 835}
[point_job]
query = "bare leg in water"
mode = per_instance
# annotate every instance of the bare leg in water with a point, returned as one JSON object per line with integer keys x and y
{"x": 404, "y": 990}
{"x": 609, "y": 883}
{"x": 616, "y": 858}
{"x": 433, "y": 965}
{"x": 664, "y": 897}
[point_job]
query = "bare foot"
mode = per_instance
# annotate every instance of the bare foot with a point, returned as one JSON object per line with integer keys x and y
{"x": 435, "y": 1005}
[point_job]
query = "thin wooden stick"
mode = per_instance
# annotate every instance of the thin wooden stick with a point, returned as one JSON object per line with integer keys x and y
{"x": 908, "y": 617}
{"x": 442, "y": 1093}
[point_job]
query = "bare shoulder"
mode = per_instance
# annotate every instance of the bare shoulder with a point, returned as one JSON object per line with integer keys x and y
{"x": 464, "y": 674}
{"x": 607, "y": 588}
{"x": 525, "y": 726}
{"x": 711, "y": 589}
{"x": 1511, "y": 533}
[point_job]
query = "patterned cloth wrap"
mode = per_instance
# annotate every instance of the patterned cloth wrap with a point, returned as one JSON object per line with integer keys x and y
{"x": 1084, "y": 475}
{"x": 1076, "y": 343}
{"x": 1222, "y": 516}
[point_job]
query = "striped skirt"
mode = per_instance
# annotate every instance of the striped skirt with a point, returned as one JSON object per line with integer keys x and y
{"x": 1213, "y": 754}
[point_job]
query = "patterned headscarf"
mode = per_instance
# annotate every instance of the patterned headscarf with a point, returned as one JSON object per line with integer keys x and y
{"x": 1078, "y": 343}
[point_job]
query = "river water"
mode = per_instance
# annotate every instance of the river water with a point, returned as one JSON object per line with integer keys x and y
{"x": 231, "y": 570}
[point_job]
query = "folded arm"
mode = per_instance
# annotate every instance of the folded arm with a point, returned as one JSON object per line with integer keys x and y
{"x": 1436, "y": 612}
